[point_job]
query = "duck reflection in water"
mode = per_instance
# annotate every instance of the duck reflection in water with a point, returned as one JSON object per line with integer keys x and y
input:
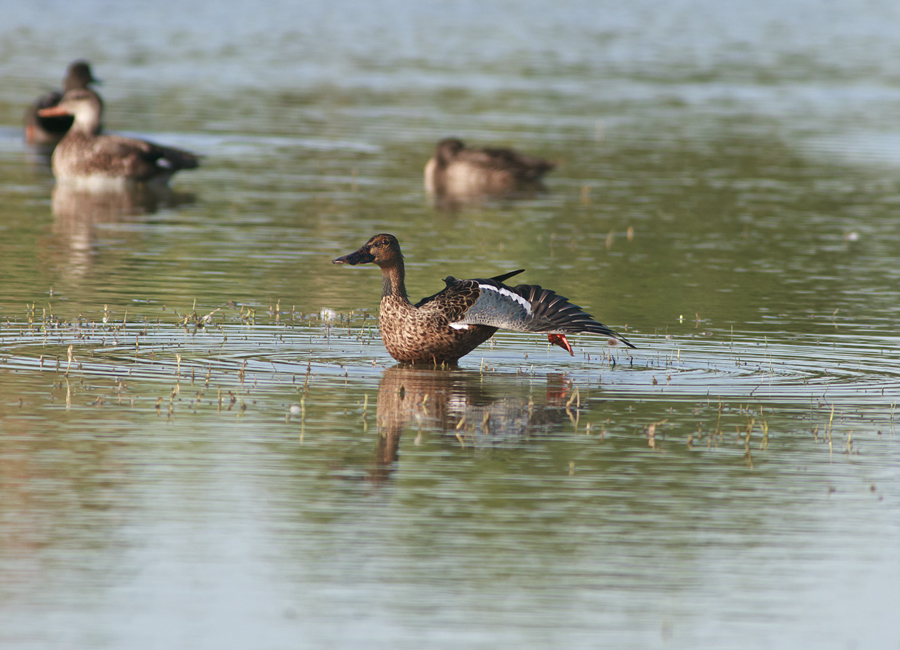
{"x": 79, "y": 211}
{"x": 462, "y": 406}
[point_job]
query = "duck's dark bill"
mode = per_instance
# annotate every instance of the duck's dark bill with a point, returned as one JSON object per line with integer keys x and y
{"x": 362, "y": 256}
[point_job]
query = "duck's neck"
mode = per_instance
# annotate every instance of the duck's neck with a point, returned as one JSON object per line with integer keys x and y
{"x": 443, "y": 159}
{"x": 87, "y": 123}
{"x": 394, "y": 281}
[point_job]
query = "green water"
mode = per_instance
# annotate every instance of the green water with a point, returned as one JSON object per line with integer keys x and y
{"x": 267, "y": 477}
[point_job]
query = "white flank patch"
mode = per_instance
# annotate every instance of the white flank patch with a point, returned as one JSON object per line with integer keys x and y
{"x": 509, "y": 294}
{"x": 96, "y": 183}
{"x": 459, "y": 326}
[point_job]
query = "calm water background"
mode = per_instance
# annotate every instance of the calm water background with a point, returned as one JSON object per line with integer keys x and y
{"x": 272, "y": 480}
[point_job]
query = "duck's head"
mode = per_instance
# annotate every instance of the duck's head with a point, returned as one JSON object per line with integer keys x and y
{"x": 447, "y": 149}
{"x": 82, "y": 103}
{"x": 78, "y": 75}
{"x": 383, "y": 250}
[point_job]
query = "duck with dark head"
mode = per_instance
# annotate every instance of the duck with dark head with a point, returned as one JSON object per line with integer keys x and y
{"x": 442, "y": 328}
{"x": 49, "y": 130}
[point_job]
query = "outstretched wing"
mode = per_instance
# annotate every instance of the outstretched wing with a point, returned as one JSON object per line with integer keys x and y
{"x": 530, "y": 308}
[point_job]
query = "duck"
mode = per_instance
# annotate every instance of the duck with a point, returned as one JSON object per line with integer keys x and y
{"x": 444, "y": 327}
{"x": 456, "y": 170}
{"x": 89, "y": 159}
{"x": 48, "y": 131}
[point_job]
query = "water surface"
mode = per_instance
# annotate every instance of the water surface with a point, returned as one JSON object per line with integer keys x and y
{"x": 725, "y": 196}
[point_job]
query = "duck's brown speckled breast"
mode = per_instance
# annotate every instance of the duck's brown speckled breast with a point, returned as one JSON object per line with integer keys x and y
{"x": 414, "y": 335}
{"x": 79, "y": 156}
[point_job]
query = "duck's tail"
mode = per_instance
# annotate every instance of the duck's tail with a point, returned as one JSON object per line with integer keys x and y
{"x": 555, "y": 315}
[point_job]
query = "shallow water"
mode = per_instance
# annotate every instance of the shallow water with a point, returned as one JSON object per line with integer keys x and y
{"x": 267, "y": 477}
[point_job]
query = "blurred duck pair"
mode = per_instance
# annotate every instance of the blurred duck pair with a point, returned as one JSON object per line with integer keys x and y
{"x": 84, "y": 156}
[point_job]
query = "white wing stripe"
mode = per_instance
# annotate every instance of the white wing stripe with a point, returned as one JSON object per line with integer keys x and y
{"x": 509, "y": 294}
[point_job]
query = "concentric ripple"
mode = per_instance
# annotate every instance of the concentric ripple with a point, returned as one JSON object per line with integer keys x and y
{"x": 743, "y": 366}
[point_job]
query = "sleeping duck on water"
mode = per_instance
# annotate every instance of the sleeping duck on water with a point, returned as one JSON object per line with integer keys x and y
{"x": 458, "y": 171}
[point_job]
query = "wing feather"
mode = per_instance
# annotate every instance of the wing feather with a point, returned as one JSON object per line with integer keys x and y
{"x": 523, "y": 308}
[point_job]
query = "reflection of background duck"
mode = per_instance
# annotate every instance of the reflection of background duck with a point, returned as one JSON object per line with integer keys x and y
{"x": 79, "y": 211}
{"x": 463, "y": 405}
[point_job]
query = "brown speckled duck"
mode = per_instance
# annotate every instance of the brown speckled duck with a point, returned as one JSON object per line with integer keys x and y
{"x": 49, "y": 130}
{"x": 457, "y": 171}
{"x": 442, "y": 328}
{"x": 91, "y": 160}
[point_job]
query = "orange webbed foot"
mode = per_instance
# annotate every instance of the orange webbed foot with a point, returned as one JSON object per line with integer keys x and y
{"x": 561, "y": 341}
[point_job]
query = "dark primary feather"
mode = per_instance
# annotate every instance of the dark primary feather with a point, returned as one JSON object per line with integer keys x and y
{"x": 550, "y": 312}
{"x": 472, "y": 302}
{"x": 506, "y": 276}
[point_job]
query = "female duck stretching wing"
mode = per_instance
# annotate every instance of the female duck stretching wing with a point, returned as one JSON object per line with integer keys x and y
{"x": 442, "y": 328}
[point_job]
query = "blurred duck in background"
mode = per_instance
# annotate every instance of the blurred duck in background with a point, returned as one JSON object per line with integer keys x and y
{"x": 93, "y": 161}
{"x": 49, "y": 130}
{"x": 456, "y": 171}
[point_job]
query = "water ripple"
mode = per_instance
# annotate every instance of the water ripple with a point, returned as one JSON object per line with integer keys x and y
{"x": 743, "y": 366}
